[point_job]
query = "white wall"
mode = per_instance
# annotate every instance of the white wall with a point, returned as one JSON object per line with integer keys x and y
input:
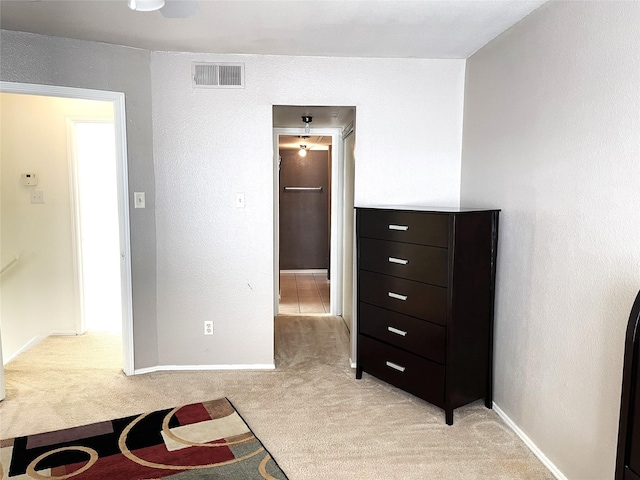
{"x": 29, "y": 58}
{"x": 216, "y": 261}
{"x": 39, "y": 292}
{"x": 551, "y": 136}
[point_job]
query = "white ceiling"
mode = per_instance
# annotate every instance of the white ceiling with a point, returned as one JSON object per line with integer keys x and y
{"x": 339, "y": 28}
{"x": 291, "y": 116}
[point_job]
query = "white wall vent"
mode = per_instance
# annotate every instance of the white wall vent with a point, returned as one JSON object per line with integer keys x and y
{"x": 217, "y": 75}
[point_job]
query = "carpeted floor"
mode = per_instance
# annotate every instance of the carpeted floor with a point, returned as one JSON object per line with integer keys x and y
{"x": 316, "y": 420}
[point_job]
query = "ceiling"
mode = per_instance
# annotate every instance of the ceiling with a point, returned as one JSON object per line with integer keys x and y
{"x": 337, "y": 28}
{"x": 322, "y": 117}
{"x": 290, "y": 116}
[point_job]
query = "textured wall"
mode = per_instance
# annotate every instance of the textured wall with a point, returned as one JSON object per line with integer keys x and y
{"x": 29, "y": 58}
{"x": 39, "y": 292}
{"x": 216, "y": 261}
{"x": 551, "y": 136}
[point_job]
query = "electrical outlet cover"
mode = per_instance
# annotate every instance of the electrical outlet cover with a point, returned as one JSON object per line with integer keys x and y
{"x": 208, "y": 327}
{"x": 37, "y": 196}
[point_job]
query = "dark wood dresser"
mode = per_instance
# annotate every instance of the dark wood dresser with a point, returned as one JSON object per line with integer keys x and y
{"x": 426, "y": 282}
{"x": 628, "y": 456}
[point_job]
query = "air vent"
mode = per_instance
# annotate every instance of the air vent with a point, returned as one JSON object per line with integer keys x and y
{"x": 217, "y": 75}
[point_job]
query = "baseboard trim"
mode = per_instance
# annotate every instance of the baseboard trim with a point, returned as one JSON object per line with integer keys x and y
{"x": 311, "y": 270}
{"x": 27, "y": 346}
{"x": 555, "y": 471}
{"x": 64, "y": 333}
{"x": 179, "y": 368}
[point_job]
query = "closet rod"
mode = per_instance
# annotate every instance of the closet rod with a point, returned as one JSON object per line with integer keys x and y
{"x": 315, "y": 189}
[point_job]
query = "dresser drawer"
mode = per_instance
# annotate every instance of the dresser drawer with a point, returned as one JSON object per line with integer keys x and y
{"x": 417, "y": 336}
{"x": 402, "y": 226}
{"x": 409, "y": 372}
{"x": 415, "y": 262}
{"x": 404, "y": 296}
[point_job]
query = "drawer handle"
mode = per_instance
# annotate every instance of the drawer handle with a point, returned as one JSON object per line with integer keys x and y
{"x": 400, "y": 261}
{"x": 402, "y": 228}
{"x": 397, "y": 296}
{"x": 395, "y": 366}
{"x": 397, "y": 331}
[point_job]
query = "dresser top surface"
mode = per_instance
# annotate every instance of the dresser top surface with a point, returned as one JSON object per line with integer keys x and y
{"x": 418, "y": 208}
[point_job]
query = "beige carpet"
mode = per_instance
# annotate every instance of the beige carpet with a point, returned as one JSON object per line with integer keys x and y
{"x": 311, "y": 414}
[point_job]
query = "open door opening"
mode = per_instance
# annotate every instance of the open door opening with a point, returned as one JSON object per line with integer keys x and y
{"x": 323, "y": 135}
{"x": 326, "y": 136}
{"x": 305, "y": 224}
{"x": 47, "y": 265}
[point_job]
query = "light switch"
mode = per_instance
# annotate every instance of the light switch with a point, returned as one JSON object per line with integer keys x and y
{"x": 138, "y": 199}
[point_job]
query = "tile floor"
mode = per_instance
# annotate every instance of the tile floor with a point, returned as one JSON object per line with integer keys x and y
{"x": 306, "y": 293}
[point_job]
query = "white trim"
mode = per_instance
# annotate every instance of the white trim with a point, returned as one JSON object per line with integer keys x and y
{"x": 555, "y": 471}
{"x": 337, "y": 180}
{"x": 122, "y": 171}
{"x": 352, "y": 363}
{"x": 353, "y": 328}
{"x": 63, "y": 333}
{"x": 27, "y": 346}
{"x": 76, "y": 233}
{"x": 319, "y": 271}
{"x": 337, "y": 222}
{"x": 119, "y": 120}
{"x": 181, "y": 368}
{"x": 349, "y": 129}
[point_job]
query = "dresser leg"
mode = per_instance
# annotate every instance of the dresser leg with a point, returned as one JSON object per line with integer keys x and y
{"x": 448, "y": 415}
{"x": 358, "y": 373}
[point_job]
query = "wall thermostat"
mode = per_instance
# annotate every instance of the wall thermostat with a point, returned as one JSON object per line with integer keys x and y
{"x": 29, "y": 179}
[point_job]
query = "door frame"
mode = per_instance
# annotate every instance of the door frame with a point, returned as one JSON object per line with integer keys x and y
{"x": 119, "y": 120}
{"x": 337, "y": 187}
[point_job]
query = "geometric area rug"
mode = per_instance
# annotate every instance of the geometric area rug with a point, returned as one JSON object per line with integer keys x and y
{"x": 208, "y": 440}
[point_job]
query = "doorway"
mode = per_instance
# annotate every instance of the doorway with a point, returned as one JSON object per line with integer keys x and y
{"x": 123, "y": 260}
{"x": 304, "y": 212}
{"x": 330, "y": 123}
{"x": 334, "y": 218}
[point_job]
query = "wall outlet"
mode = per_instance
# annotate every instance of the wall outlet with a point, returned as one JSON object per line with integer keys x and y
{"x": 239, "y": 200}
{"x": 208, "y": 327}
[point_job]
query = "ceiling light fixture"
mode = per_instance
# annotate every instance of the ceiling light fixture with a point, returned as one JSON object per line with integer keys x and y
{"x": 145, "y": 5}
{"x": 307, "y": 120}
{"x": 303, "y": 151}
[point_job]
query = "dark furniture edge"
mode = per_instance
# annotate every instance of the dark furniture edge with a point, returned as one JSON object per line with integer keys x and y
{"x": 628, "y": 390}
